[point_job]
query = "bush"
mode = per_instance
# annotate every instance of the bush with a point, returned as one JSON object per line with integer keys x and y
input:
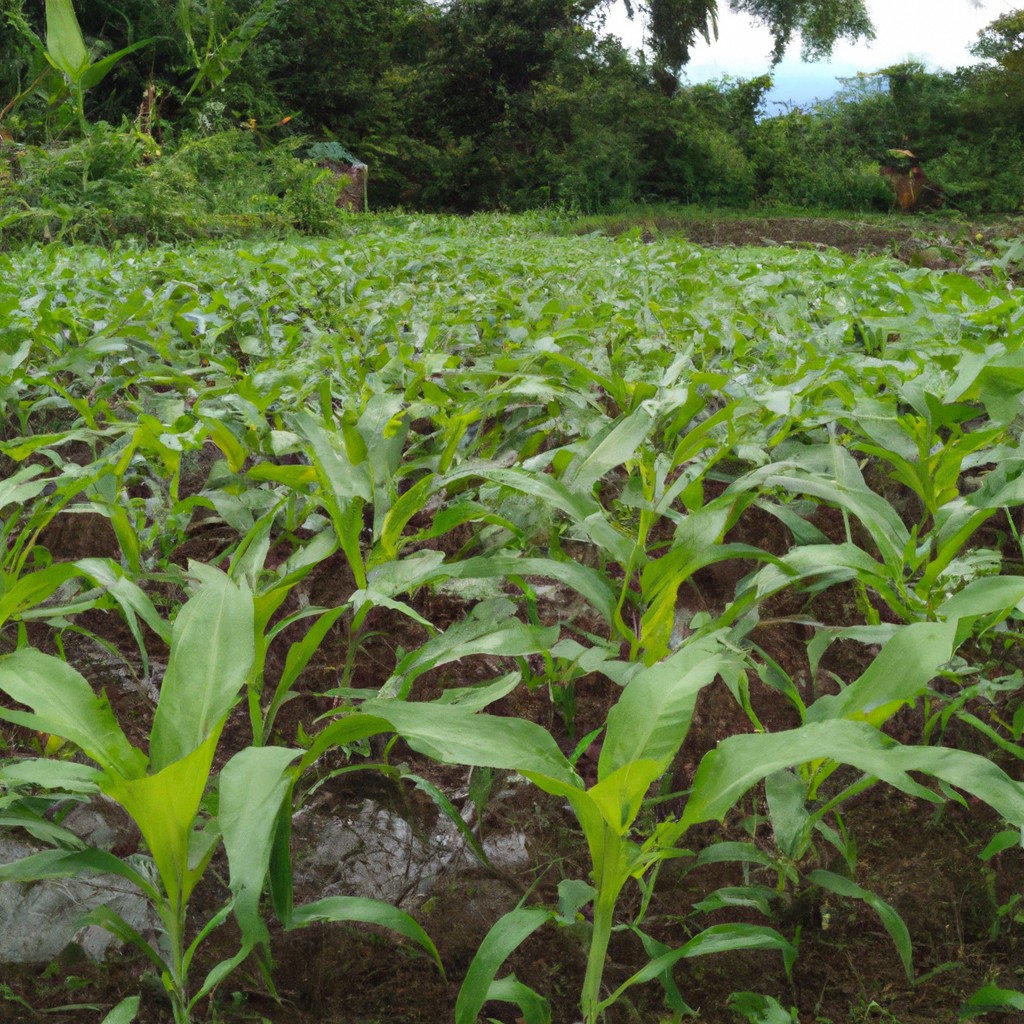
{"x": 115, "y": 182}
{"x": 986, "y": 178}
{"x": 75, "y": 190}
{"x": 804, "y": 160}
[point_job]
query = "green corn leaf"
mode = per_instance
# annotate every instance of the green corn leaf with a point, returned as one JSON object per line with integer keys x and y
{"x": 234, "y": 451}
{"x": 134, "y": 602}
{"x": 250, "y": 556}
{"x": 786, "y": 794}
{"x": 103, "y": 917}
{"x": 999, "y": 386}
{"x": 40, "y": 828}
{"x": 50, "y": 773}
{"x": 343, "y": 480}
{"x": 447, "y": 808}
{"x": 815, "y": 567}
{"x": 611, "y": 446}
{"x": 127, "y": 537}
{"x": 901, "y": 671}
{"x": 376, "y": 599}
{"x": 843, "y": 486}
{"x": 124, "y": 1013}
{"x": 719, "y": 938}
{"x": 652, "y": 716}
{"x": 740, "y": 853}
{"x": 254, "y": 786}
{"x": 96, "y": 72}
{"x": 620, "y": 794}
{"x": 32, "y": 589}
{"x": 587, "y": 582}
{"x": 578, "y": 505}
{"x": 984, "y": 603}
{"x": 991, "y": 999}
{"x": 739, "y": 762}
{"x": 223, "y": 968}
{"x": 165, "y": 806}
{"x": 756, "y": 897}
{"x": 63, "y": 703}
{"x": 479, "y": 696}
{"x": 759, "y": 1009}
{"x": 68, "y": 863}
{"x": 106, "y": 573}
{"x": 280, "y": 880}
{"x": 506, "y": 935}
{"x": 383, "y": 427}
{"x": 212, "y": 646}
{"x": 482, "y": 633}
{"x": 894, "y": 924}
{"x": 452, "y": 735}
{"x": 298, "y": 657}
{"x": 1007, "y": 840}
{"x": 398, "y": 516}
{"x": 673, "y": 997}
{"x": 697, "y": 543}
{"x": 367, "y": 911}
{"x": 534, "y": 1008}
{"x": 291, "y": 476}
{"x": 21, "y": 487}
{"x": 549, "y": 490}
{"x": 342, "y": 731}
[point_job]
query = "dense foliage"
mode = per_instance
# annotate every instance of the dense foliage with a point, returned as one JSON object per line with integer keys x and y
{"x": 476, "y": 104}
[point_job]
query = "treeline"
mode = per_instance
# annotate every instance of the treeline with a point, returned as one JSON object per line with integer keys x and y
{"x": 480, "y": 104}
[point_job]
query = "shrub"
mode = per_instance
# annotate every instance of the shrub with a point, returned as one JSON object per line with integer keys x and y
{"x": 985, "y": 178}
{"x": 115, "y": 182}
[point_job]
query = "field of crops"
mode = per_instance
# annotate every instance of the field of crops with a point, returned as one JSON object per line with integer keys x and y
{"x": 703, "y": 567}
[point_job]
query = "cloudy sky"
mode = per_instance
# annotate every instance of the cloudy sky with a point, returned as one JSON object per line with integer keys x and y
{"x": 937, "y": 32}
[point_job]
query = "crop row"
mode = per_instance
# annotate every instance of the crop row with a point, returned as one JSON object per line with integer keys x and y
{"x": 627, "y": 463}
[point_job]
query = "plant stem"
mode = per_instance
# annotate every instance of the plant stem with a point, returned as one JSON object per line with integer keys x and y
{"x": 609, "y": 877}
{"x": 591, "y": 995}
{"x": 83, "y": 124}
{"x": 176, "y": 942}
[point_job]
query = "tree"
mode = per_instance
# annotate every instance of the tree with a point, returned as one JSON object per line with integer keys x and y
{"x": 1000, "y": 85}
{"x": 1003, "y": 41}
{"x": 674, "y": 25}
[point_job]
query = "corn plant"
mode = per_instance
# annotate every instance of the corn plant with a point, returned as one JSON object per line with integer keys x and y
{"x": 912, "y": 571}
{"x": 644, "y": 731}
{"x": 163, "y": 790}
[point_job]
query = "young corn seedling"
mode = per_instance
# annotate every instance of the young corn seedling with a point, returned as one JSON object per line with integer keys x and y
{"x": 162, "y": 790}
{"x": 645, "y": 729}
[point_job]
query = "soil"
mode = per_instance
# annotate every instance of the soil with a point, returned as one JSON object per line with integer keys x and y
{"x": 921, "y": 858}
{"x": 933, "y": 241}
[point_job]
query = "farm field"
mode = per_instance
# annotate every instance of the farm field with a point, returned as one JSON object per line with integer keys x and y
{"x": 665, "y": 600}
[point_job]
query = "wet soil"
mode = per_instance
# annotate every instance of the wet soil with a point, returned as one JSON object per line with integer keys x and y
{"x": 934, "y": 241}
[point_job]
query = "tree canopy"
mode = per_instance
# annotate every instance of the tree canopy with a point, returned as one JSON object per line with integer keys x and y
{"x": 1003, "y": 40}
{"x": 673, "y": 26}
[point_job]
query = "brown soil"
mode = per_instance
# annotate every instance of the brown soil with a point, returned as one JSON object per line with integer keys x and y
{"x": 934, "y": 242}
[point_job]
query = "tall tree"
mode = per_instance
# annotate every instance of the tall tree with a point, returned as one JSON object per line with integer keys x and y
{"x": 673, "y": 26}
{"x": 1003, "y": 41}
{"x": 1002, "y": 82}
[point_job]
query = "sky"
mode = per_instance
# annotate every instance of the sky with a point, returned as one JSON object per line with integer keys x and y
{"x": 935, "y": 32}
